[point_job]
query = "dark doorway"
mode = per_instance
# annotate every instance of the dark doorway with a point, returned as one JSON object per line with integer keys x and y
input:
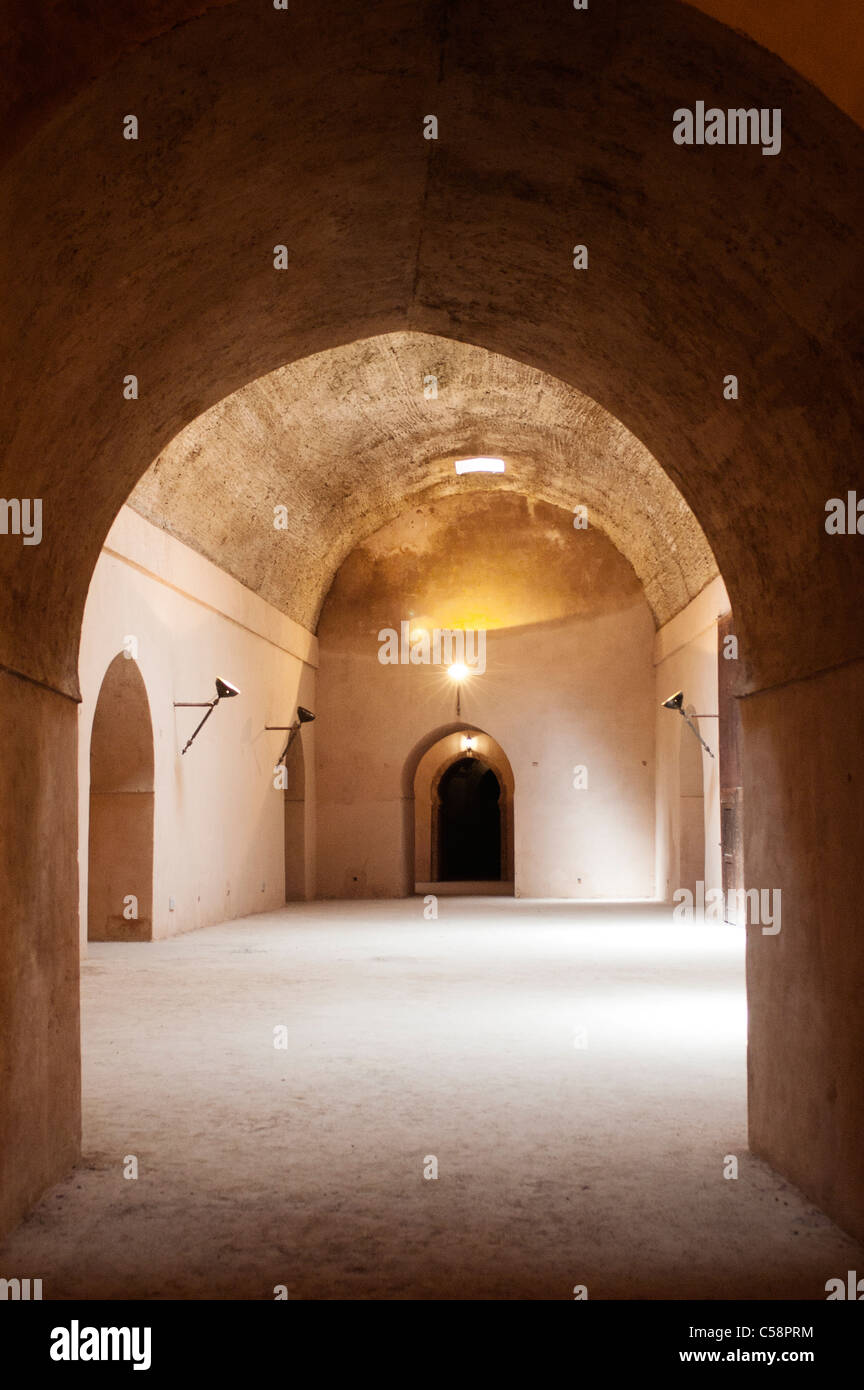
{"x": 469, "y": 823}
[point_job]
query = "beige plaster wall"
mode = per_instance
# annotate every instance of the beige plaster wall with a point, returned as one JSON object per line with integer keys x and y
{"x": 197, "y": 315}
{"x": 569, "y": 681}
{"x": 219, "y": 821}
{"x": 685, "y": 658}
{"x": 805, "y": 984}
{"x": 40, "y": 1063}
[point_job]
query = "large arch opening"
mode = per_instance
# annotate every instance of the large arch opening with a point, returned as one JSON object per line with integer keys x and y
{"x": 120, "y": 861}
{"x": 203, "y": 314}
{"x": 602, "y": 333}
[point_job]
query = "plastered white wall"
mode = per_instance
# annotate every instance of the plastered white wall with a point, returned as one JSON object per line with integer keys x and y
{"x": 218, "y": 821}
{"x": 685, "y": 658}
{"x": 563, "y": 687}
{"x": 572, "y": 691}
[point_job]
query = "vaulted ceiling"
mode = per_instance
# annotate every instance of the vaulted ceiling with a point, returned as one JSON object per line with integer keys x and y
{"x": 305, "y": 127}
{"x": 346, "y": 439}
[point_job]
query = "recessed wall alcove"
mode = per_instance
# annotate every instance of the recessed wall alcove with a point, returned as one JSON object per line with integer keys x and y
{"x": 120, "y": 876}
{"x": 435, "y": 772}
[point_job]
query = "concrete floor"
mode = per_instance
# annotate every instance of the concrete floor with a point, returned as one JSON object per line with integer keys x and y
{"x": 598, "y": 1164}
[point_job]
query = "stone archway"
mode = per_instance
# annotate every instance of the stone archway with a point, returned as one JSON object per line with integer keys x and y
{"x": 170, "y": 278}
{"x": 203, "y": 314}
{"x": 433, "y": 765}
{"x": 120, "y": 865}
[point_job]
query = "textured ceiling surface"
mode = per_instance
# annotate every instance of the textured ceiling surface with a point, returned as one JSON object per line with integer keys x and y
{"x": 261, "y": 128}
{"x": 50, "y": 49}
{"x": 345, "y": 440}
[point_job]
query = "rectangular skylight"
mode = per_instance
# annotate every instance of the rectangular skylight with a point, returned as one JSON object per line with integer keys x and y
{"x": 480, "y": 465}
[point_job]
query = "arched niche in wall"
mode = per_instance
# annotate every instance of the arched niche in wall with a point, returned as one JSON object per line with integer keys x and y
{"x": 433, "y": 765}
{"x": 120, "y": 873}
{"x": 691, "y": 806}
{"x": 294, "y": 802}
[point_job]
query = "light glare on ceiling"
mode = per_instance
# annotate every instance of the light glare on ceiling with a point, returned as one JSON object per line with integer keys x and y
{"x": 480, "y": 465}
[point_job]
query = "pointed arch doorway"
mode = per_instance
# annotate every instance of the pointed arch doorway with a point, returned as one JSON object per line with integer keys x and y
{"x": 463, "y": 816}
{"x": 120, "y": 859}
{"x": 691, "y": 806}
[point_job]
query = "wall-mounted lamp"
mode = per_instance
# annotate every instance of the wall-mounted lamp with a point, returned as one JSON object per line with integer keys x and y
{"x": 676, "y": 701}
{"x": 224, "y": 691}
{"x": 469, "y": 744}
{"x": 304, "y": 716}
{"x": 458, "y": 672}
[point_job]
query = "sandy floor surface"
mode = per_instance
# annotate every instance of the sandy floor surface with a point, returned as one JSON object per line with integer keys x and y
{"x": 578, "y": 1072}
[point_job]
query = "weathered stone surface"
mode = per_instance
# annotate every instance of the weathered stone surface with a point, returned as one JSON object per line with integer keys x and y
{"x": 50, "y": 50}
{"x": 345, "y": 440}
{"x": 40, "y": 1060}
{"x": 156, "y": 257}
